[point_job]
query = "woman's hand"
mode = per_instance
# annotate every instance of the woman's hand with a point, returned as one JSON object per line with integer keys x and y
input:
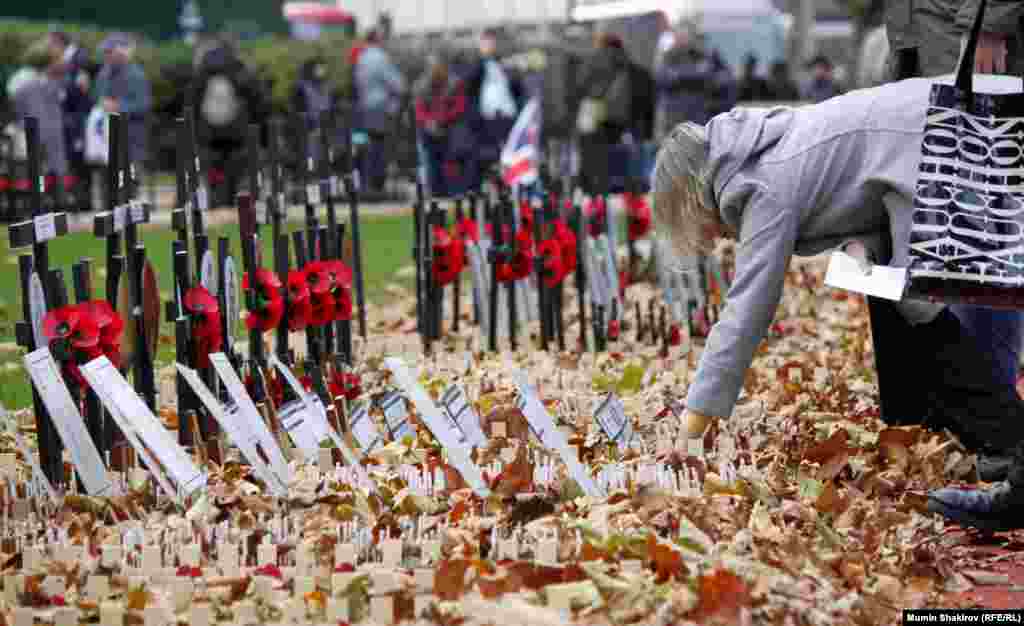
{"x": 696, "y": 423}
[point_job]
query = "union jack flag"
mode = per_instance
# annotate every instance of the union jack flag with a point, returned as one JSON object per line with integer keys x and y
{"x": 521, "y": 155}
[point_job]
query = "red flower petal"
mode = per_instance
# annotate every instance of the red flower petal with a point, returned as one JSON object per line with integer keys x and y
{"x": 199, "y": 300}
{"x": 342, "y": 305}
{"x": 60, "y": 323}
{"x": 322, "y": 308}
{"x": 269, "y": 570}
{"x": 318, "y": 277}
{"x": 340, "y": 274}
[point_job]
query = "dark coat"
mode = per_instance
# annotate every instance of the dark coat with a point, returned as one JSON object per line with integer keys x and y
{"x": 253, "y": 103}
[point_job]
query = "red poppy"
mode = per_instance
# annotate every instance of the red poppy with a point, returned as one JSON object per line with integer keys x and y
{"x": 299, "y": 305}
{"x": 522, "y": 259}
{"x": 468, "y": 230}
{"x": 274, "y": 388}
{"x": 551, "y": 251}
{"x": 339, "y": 273}
{"x": 111, "y": 326}
{"x": 346, "y": 384}
{"x": 675, "y": 335}
{"x": 623, "y": 282}
{"x": 207, "y": 333}
{"x": 269, "y": 570}
{"x": 613, "y": 330}
{"x": 318, "y": 277}
{"x": 269, "y": 306}
{"x": 189, "y": 572}
{"x": 597, "y": 216}
{"x": 321, "y": 308}
{"x": 567, "y": 241}
{"x": 342, "y": 305}
{"x": 638, "y": 211}
{"x": 73, "y": 324}
{"x": 449, "y": 257}
{"x": 526, "y": 215}
{"x": 344, "y": 568}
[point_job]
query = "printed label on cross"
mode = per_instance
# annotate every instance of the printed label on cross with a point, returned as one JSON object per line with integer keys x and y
{"x": 611, "y": 416}
{"x": 109, "y": 223}
{"x": 396, "y": 415}
{"x": 363, "y": 430}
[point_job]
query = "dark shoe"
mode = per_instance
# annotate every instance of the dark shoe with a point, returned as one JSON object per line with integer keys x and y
{"x": 994, "y": 467}
{"x": 995, "y": 510}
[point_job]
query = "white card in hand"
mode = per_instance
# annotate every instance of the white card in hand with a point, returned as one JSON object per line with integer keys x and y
{"x": 69, "y": 423}
{"x": 119, "y": 397}
{"x": 885, "y": 282}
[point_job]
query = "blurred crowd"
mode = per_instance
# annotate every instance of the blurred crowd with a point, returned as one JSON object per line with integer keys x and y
{"x": 463, "y": 105}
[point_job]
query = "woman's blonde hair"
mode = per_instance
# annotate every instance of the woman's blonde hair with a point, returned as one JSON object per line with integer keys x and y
{"x": 680, "y": 177}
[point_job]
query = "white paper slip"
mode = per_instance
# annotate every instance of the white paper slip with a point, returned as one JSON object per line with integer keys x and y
{"x": 438, "y": 424}
{"x": 844, "y": 272}
{"x": 363, "y": 429}
{"x": 249, "y": 416}
{"x": 313, "y": 193}
{"x": 296, "y": 421}
{"x": 69, "y": 423}
{"x": 118, "y": 396}
{"x": 545, "y": 429}
{"x": 39, "y": 483}
{"x": 462, "y": 416}
{"x": 244, "y": 435}
{"x": 46, "y": 227}
{"x": 396, "y": 415}
{"x": 120, "y": 217}
{"x": 611, "y": 416}
{"x": 316, "y": 416}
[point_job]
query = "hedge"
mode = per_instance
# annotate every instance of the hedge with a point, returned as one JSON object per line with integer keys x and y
{"x": 276, "y": 59}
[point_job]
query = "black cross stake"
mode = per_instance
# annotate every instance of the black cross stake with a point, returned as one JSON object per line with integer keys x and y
{"x": 36, "y": 281}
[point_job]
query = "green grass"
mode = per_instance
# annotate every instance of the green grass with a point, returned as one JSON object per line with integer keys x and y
{"x": 386, "y": 247}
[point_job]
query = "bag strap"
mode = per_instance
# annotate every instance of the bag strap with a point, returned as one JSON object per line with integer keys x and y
{"x": 965, "y": 73}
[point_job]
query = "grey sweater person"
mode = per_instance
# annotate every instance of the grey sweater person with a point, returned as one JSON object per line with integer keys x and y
{"x": 802, "y": 181}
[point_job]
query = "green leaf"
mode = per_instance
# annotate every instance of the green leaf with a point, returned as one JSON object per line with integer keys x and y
{"x": 632, "y": 379}
{"x": 810, "y": 488}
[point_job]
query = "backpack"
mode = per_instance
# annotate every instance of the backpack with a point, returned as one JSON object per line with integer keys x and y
{"x": 221, "y": 105}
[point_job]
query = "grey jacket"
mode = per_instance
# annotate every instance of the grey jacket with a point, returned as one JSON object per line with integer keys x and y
{"x": 40, "y": 98}
{"x": 130, "y": 86}
{"x": 802, "y": 181}
{"x": 380, "y": 86}
{"x": 935, "y": 28}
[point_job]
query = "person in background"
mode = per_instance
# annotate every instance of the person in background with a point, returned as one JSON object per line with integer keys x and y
{"x": 723, "y": 88}
{"x": 39, "y": 96}
{"x": 681, "y": 77}
{"x": 925, "y": 37}
{"x": 753, "y": 87}
{"x": 782, "y": 88}
{"x": 380, "y": 87}
{"x": 605, "y": 97}
{"x": 227, "y": 97}
{"x": 440, "y": 107}
{"x": 122, "y": 87}
{"x": 495, "y": 97}
{"x": 77, "y": 102}
{"x": 311, "y": 97}
{"x": 821, "y": 85}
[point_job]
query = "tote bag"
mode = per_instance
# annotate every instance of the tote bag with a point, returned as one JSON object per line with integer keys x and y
{"x": 967, "y": 237}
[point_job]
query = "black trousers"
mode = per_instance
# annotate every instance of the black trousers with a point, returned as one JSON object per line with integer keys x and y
{"x": 944, "y": 376}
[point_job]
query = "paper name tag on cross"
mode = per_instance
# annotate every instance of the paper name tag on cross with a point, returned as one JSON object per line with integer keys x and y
{"x": 464, "y": 420}
{"x": 147, "y": 435}
{"x": 611, "y": 416}
{"x": 120, "y": 217}
{"x": 396, "y": 415}
{"x": 844, "y": 272}
{"x": 245, "y": 436}
{"x": 313, "y": 193}
{"x": 45, "y": 226}
{"x": 545, "y": 429}
{"x": 363, "y": 429}
{"x": 203, "y": 198}
{"x": 249, "y": 418}
{"x": 137, "y": 211}
{"x": 438, "y": 424}
{"x": 69, "y": 423}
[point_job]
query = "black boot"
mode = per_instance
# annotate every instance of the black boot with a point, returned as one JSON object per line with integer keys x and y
{"x": 997, "y": 509}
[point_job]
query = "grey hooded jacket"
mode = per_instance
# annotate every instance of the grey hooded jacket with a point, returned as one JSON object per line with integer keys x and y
{"x": 802, "y": 181}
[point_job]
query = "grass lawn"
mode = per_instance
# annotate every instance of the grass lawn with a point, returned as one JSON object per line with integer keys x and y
{"x": 387, "y": 246}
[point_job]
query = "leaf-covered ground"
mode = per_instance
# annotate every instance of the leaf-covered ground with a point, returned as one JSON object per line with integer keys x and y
{"x": 802, "y": 509}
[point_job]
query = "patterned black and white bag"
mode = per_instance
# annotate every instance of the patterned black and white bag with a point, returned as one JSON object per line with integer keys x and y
{"x": 967, "y": 237}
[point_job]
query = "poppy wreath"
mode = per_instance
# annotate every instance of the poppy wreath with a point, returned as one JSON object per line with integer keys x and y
{"x": 269, "y": 305}
{"x": 82, "y": 332}
{"x": 207, "y": 333}
{"x": 521, "y": 264}
{"x": 638, "y": 213}
{"x": 449, "y": 257}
